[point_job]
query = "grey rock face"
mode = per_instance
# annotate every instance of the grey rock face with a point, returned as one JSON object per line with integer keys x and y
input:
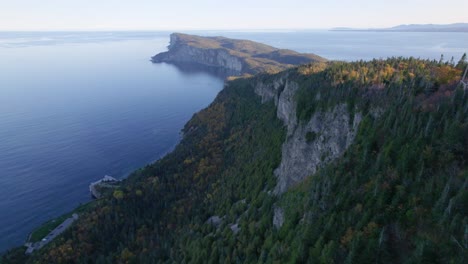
{"x": 214, "y": 220}
{"x": 174, "y": 40}
{"x": 332, "y": 134}
{"x": 282, "y": 92}
{"x": 278, "y": 217}
{"x": 208, "y": 57}
{"x": 235, "y": 228}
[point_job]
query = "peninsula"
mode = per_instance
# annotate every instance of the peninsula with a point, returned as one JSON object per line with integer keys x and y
{"x": 233, "y": 56}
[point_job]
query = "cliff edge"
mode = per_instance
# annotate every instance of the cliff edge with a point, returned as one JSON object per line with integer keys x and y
{"x": 234, "y": 56}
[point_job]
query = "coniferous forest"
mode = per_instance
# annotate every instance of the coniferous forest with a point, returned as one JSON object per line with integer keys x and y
{"x": 399, "y": 194}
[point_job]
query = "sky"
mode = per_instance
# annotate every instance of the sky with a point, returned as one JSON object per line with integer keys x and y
{"x": 229, "y": 15}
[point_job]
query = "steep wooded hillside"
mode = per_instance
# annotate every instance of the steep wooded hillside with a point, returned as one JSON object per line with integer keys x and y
{"x": 362, "y": 162}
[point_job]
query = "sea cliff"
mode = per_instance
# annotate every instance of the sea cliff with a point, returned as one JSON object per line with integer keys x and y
{"x": 236, "y": 57}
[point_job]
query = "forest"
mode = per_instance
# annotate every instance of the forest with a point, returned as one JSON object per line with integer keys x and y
{"x": 399, "y": 194}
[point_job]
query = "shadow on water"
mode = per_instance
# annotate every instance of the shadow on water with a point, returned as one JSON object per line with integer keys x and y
{"x": 190, "y": 68}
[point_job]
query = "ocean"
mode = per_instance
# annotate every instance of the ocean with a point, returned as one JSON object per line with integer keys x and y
{"x": 75, "y": 106}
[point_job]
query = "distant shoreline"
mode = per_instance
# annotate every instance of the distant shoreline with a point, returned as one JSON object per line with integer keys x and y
{"x": 408, "y": 31}
{"x": 456, "y": 27}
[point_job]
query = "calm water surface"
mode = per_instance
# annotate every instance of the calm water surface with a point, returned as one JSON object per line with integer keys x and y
{"x": 72, "y": 111}
{"x": 77, "y": 106}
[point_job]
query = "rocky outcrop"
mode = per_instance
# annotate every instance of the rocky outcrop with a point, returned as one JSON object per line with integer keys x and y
{"x": 278, "y": 217}
{"x": 331, "y": 136}
{"x": 182, "y": 53}
{"x": 235, "y": 228}
{"x": 310, "y": 144}
{"x": 214, "y": 221}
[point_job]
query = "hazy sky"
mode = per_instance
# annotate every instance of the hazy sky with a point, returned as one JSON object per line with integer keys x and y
{"x": 218, "y": 14}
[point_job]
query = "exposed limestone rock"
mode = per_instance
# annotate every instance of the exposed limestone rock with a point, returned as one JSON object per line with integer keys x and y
{"x": 278, "y": 217}
{"x": 235, "y": 228}
{"x": 300, "y": 157}
{"x": 206, "y": 57}
{"x": 214, "y": 220}
{"x": 282, "y": 92}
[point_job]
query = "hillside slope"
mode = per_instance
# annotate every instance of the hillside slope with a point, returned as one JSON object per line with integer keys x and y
{"x": 362, "y": 162}
{"x": 236, "y": 57}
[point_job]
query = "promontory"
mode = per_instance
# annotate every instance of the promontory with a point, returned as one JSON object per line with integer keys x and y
{"x": 234, "y": 56}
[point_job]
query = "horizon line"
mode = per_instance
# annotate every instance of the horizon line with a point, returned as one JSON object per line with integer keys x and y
{"x": 166, "y": 29}
{"x": 219, "y": 29}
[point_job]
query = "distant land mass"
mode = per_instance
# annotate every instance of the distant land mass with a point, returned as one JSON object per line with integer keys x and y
{"x": 231, "y": 56}
{"x": 456, "y": 27}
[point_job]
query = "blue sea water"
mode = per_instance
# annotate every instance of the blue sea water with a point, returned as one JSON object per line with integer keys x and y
{"x": 75, "y": 106}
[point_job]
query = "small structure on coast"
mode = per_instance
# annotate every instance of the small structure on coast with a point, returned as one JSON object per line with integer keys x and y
{"x": 106, "y": 182}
